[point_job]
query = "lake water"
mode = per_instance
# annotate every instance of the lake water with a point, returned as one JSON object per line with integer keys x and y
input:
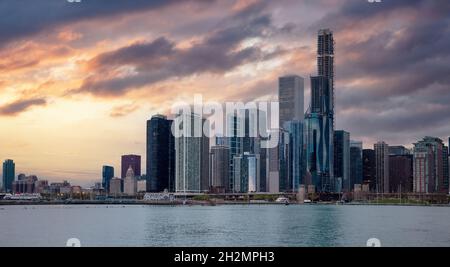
{"x": 228, "y": 225}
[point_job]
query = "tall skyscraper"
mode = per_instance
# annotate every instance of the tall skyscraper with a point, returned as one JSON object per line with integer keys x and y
{"x": 160, "y": 155}
{"x": 191, "y": 155}
{"x": 9, "y": 170}
{"x": 131, "y": 160}
{"x": 429, "y": 166}
{"x": 325, "y": 54}
{"x": 291, "y": 98}
{"x": 219, "y": 168}
{"x": 356, "y": 163}
{"x": 296, "y": 154}
{"x": 400, "y": 173}
{"x": 382, "y": 167}
{"x": 320, "y": 117}
{"x": 284, "y": 162}
{"x": 107, "y": 175}
{"x": 244, "y": 130}
{"x": 445, "y": 163}
{"x": 246, "y": 173}
{"x": 342, "y": 160}
{"x": 369, "y": 166}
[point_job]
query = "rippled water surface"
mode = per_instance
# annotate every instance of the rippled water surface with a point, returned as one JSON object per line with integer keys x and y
{"x": 253, "y": 225}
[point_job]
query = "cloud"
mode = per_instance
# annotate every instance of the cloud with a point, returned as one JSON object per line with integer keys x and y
{"x": 123, "y": 110}
{"x": 48, "y": 14}
{"x": 392, "y": 79}
{"x": 146, "y": 63}
{"x": 21, "y": 105}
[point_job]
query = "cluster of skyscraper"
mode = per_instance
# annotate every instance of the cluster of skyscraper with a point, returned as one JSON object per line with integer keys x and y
{"x": 304, "y": 155}
{"x": 310, "y": 152}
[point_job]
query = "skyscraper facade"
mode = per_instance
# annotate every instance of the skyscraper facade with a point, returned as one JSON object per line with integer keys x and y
{"x": 296, "y": 154}
{"x": 429, "y": 166}
{"x": 130, "y": 160}
{"x": 160, "y": 155}
{"x": 291, "y": 98}
{"x": 9, "y": 171}
{"x": 320, "y": 117}
{"x": 130, "y": 183}
{"x": 445, "y": 163}
{"x": 219, "y": 168}
{"x": 115, "y": 186}
{"x": 284, "y": 161}
{"x": 246, "y": 173}
{"x": 381, "y": 167}
{"x": 107, "y": 175}
{"x": 191, "y": 155}
{"x": 369, "y": 167}
{"x": 342, "y": 160}
{"x": 401, "y": 173}
{"x": 356, "y": 163}
{"x": 398, "y": 150}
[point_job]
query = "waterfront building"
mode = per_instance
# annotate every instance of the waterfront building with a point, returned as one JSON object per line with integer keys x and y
{"x": 297, "y": 159}
{"x": 429, "y": 166}
{"x": 320, "y": 157}
{"x": 107, "y": 175}
{"x": 245, "y": 129}
{"x": 446, "y": 167}
{"x": 381, "y": 167}
{"x": 24, "y": 184}
{"x": 219, "y": 168}
{"x": 369, "y": 168}
{"x": 356, "y": 163}
{"x": 160, "y": 155}
{"x": 291, "y": 99}
{"x": 246, "y": 173}
{"x": 130, "y": 183}
{"x": 401, "y": 173}
{"x": 60, "y": 188}
{"x": 41, "y": 187}
{"x": 192, "y": 154}
{"x": 319, "y": 118}
{"x": 115, "y": 185}
{"x": 284, "y": 161}
{"x": 9, "y": 169}
{"x": 342, "y": 160}
{"x": 141, "y": 186}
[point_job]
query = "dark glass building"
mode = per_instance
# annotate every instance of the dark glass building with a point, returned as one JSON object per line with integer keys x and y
{"x": 107, "y": 175}
{"x": 369, "y": 171}
{"x": 219, "y": 169}
{"x": 319, "y": 119}
{"x": 445, "y": 163}
{"x": 356, "y": 163}
{"x": 401, "y": 173}
{"x": 342, "y": 161}
{"x": 9, "y": 169}
{"x": 131, "y": 160}
{"x": 160, "y": 155}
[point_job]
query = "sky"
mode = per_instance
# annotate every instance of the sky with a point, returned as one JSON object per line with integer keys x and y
{"x": 79, "y": 80}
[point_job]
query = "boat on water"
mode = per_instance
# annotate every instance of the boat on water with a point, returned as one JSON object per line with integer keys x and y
{"x": 282, "y": 200}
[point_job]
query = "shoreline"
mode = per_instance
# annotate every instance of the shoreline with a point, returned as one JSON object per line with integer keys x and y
{"x": 203, "y": 203}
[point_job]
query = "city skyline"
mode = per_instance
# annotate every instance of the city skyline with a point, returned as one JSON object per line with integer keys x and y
{"x": 75, "y": 99}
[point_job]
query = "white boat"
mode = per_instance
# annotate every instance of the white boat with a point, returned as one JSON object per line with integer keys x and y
{"x": 283, "y": 200}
